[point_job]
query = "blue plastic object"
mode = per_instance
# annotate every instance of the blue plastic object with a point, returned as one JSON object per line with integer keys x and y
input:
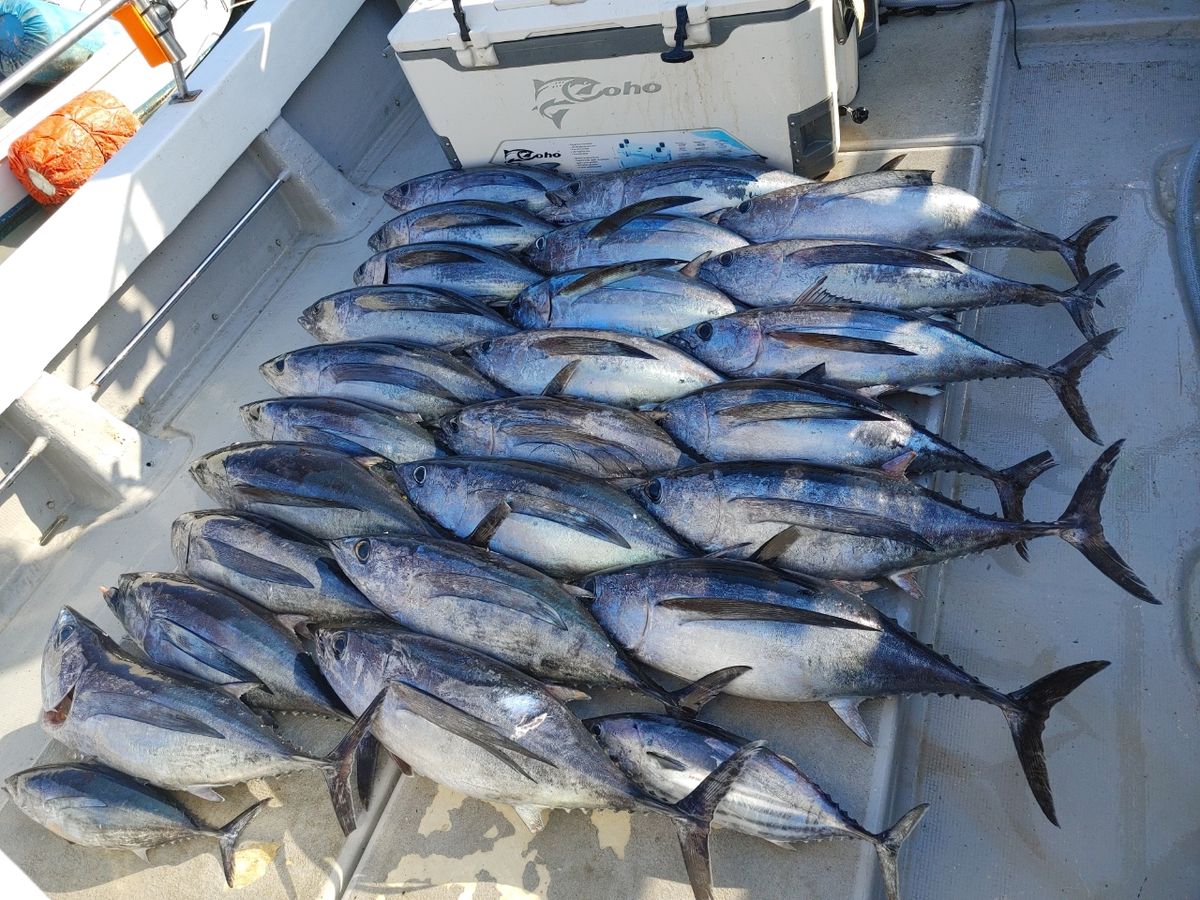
{"x": 28, "y": 26}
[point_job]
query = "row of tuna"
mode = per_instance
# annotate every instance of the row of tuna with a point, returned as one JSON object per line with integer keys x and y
{"x": 563, "y": 433}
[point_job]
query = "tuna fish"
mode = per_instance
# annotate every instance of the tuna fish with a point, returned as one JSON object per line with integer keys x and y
{"x": 598, "y": 440}
{"x": 420, "y": 316}
{"x": 772, "y": 799}
{"x": 317, "y": 489}
{"x": 220, "y": 638}
{"x": 421, "y": 380}
{"x": 556, "y": 520}
{"x": 347, "y": 425}
{"x": 715, "y": 183}
{"x": 620, "y": 369}
{"x": 489, "y": 603}
{"x": 884, "y": 350}
{"x": 782, "y": 418}
{"x": 173, "y": 731}
{"x": 637, "y": 232}
{"x": 488, "y": 731}
{"x": 486, "y": 223}
{"x": 776, "y": 273}
{"x": 490, "y": 276}
{"x": 524, "y": 186}
{"x": 95, "y": 806}
{"x": 903, "y": 208}
{"x": 638, "y": 298}
{"x": 682, "y": 614}
{"x": 849, "y": 524}
{"x": 278, "y": 568}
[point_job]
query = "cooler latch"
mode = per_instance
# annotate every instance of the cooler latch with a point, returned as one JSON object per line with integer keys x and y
{"x": 472, "y": 46}
{"x": 684, "y": 24}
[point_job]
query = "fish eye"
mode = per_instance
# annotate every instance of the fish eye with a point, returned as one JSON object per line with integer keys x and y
{"x": 278, "y": 364}
{"x": 704, "y": 331}
{"x": 362, "y": 550}
{"x": 539, "y": 244}
{"x": 419, "y": 474}
{"x": 65, "y": 634}
{"x": 404, "y": 190}
{"x": 339, "y": 645}
{"x": 452, "y": 426}
{"x": 654, "y": 490}
{"x": 485, "y": 347}
{"x": 574, "y": 187}
{"x": 744, "y": 206}
{"x": 725, "y": 259}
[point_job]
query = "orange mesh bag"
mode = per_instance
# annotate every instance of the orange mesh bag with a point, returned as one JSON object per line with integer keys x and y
{"x": 55, "y": 157}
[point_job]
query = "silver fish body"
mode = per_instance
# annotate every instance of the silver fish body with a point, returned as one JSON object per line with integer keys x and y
{"x": 419, "y": 316}
{"x": 318, "y": 490}
{"x": 716, "y": 183}
{"x": 598, "y": 440}
{"x": 619, "y": 369}
{"x": 554, "y": 519}
{"x": 650, "y": 236}
{"x": 396, "y": 376}
{"x": 502, "y": 226}
{"x": 524, "y": 186}
{"x": 489, "y": 603}
{"x": 347, "y": 425}
{"x": 487, "y": 275}
{"x": 280, "y": 569}
{"x": 648, "y": 303}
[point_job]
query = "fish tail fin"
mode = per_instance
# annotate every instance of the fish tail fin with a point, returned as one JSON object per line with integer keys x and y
{"x": 693, "y": 817}
{"x": 691, "y": 698}
{"x": 1063, "y": 377}
{"x": 1074, "y": 249}
{"x": 887, "y": 846}
{"x": 338, "y": 765}
{"x": 229, "y": 834}
{"x": 1080, "y": 300}
{"x": 1081, "y": 527}
{"x": 1030, "y": 708}
{"x": 1013, "y": 482}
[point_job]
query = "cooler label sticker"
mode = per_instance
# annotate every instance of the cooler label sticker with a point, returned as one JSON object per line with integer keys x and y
{"x": 604, "y": 153}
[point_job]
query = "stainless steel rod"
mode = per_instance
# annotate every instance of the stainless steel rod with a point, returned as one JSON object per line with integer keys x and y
{"x": 189, "y": 281}
{"x": 39, "y": 444}
{"x": 27, "y": 71}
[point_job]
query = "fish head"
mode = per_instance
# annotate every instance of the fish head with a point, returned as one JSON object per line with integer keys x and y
{"x": 353, "y": 661}
{"x": 316, "y": 317}
{"x": 620, "y": 605}
{"x": 726, "y": 344}
{"x": 75, "y": 642}
{"x": 733, "y": 271}
{"x": 546, "y": 252}
{"x": 465, "y": 428}
{"x": 588, "y": 198}
{"x": 259, "y": 418}
{"x": 686, "y": 420}
{"x": 184, "y": 530}
{"x": 742, "y": 218}
{"x": 130, "y": 603}
{"x": 416, "y": 192}
{"x": 488, "y": 357}
{"x": 682, "y": 500}
{"x": 281, "y": 372}
{"x": 373, "y": 270}
{"x": 389, "y": 234}
{"x": 532, "y": 307}
{"x": 428, "y": 483}
{"x": 209, "y": 473}
{"x": 618, "y": 735}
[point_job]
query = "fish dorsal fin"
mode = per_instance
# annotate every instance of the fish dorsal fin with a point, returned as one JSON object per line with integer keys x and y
{"x": 871, "y": 254}
{"x": 775, "y": 547}
{"x": 199, "y": 649}
{"x": 556, "y": 385}
{"x": 848, "y": 711}
{"x": 892, "y": 163}
{"x": 480, "y": 589}
{"x": 897, "y": 466}
{"x": 691, "y": 698}
{"x": 531, "y": 816}
{"x": 564, "y": 514}
{"x": 135, "y": 708}
{"x": 813, "y": 293}
{"x": 609, "y": 224}
{"x": 836, "y": 519}
{"x": 870, "y": 181}
{"x": 785, "y": 410}
{"x": 587, "y": 345}
{"x": 732, "y": 610}
{"x": 251, "y": 566}
{"x": 564, "y": 694}
{"x": 692, "y": 269}
{"x": 816, "y": 374}
{"x": 599, "y": 278}
{"x": 819, "y": 340}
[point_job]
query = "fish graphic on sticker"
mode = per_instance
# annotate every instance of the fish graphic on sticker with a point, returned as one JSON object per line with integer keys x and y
{"x": 553, "y": 99}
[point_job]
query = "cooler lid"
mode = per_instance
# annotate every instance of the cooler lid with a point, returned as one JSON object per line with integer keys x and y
{"x": 430, "y": 24}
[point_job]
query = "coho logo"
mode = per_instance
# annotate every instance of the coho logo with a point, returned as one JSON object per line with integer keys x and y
{"x": 553, "y": 99}
{"x": 520, "y": 154}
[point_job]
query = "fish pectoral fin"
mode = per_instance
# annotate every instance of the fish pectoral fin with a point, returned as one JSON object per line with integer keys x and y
{"x": 531, "y": 816}
{"x": 202, "y": 650}
{"x": 821, "y": 517}
{"x": 257, "y": 494}
{"x": 469, "y": 727}
{"x": 892, "y": 163}
{"x": 475, "y": 589}
{"x": 692, "y": 269}
{"x": 665, "y": 761}
{"x": 564, "y": 514}
{"x": 556, "y": 385}
{"x": 255, "y": 567}
{"x": 482, "y": 534}
{"x": 842, "y": 343}
{"x": 239, "y": 689}
{"x": 604, "y": 453}
{"x": 205, "y": 792}
{"x": 120, "y": 705}
{"x": 788, "y": 410}
{"x": 411, "y": 259}
{"x": 140, "y": 853}
{"x": 390, "y": 375}
{"x": 816, "y": 374}
{"x": 897, "y": 466}
{"x": 848, "y": 711}
{"x": 729, "y": 610}
{"x": 405, "y": 768}
{"x": 585, "y": 345}
{"x": 566, "y": 694}
{"x": 599, "y": 278}
{"x": 607, "y": 226}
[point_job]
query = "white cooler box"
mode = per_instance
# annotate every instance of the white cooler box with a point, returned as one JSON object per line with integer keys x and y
{"x": 597, "y": 85}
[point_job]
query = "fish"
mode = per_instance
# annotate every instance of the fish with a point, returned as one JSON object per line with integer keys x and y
{"x": 590, "y": 364}
{"x": 772, "y": 798}
{"x": 776, "y": 273}
{"x": 502, "y": 226}
{"x": 679, "y": 614}
{"x": 95, "y": 806}
{"x": 281, "y": 569}
{"x": 553, "y": 519}
{"x": 597, "y": 440}
{"x": 347, "y": 425}
{"x": 637, "y": 232}
{"x": 643, "y": 298}
{"x": 878, "y": 350}
{"x": 489, "y": 603}
{"x": 523, "y": 186}
{"x": 849, "y": 524}
{"x": 785, "y": 418}
{"x": 419, "y": 316}
{"x": 175, "y": 732}
{"x": 490, "y": 276}
{"x": 394, "y": 376}
{"x": 904, "y": 208}
{"x": 715, "y": 183}
{"x": 319, "y": 490}
{"x": 488, "y": 731}
{"x": 221, "y": 638}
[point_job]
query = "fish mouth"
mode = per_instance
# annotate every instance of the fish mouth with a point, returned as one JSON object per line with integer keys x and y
{"x": 58, "y": 713}
{"x": 555, "y": 199}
